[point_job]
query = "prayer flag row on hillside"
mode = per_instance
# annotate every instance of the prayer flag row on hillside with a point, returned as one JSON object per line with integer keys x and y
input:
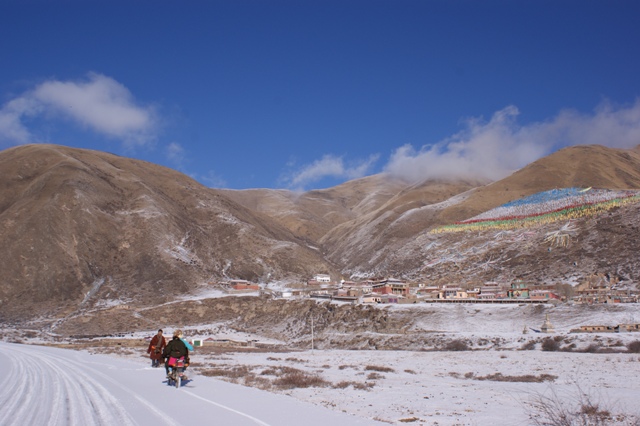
{"x": 545, "y": 207}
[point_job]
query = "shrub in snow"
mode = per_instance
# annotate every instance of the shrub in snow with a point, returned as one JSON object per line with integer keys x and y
{"x": 550, "y": 344}
{"x": 634, "y": 347}
{"x": 457, "y": 345}
{"x": 379, "y": 369}
{"x": 575, "y": 409}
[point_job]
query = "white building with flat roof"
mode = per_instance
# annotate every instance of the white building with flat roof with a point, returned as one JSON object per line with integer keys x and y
{"x": 322, "y": 278}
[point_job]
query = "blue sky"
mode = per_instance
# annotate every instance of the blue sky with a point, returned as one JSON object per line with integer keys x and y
{"x": 308, "y": 94}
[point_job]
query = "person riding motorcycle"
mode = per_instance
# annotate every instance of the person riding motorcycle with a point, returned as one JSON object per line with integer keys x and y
{"x": 177, "y": 348}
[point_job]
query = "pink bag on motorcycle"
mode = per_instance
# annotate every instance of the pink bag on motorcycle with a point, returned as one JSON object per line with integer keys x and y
{"x": 173, "y": 361}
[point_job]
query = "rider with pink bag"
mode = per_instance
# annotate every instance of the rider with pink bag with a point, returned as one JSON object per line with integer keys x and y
{"x": 177, "y": 349}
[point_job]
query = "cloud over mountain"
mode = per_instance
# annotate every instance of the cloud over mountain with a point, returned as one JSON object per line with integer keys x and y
{"x": 493, "y": 149}
{"x": 330, "y": 166}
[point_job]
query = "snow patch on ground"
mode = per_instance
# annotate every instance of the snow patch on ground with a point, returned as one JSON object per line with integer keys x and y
{"x": 109, "y": 303}
{"x": 456, "y": 199}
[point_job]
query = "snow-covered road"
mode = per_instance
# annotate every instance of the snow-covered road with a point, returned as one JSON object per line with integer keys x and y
{"x": 51, "y": 386}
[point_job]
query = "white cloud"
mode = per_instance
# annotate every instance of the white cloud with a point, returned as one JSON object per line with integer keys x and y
{"x": 99, "y": 103}
{"x": 500, "y": 146}
{"x": 11, "y": 127}
{"x": 176, "y": 154}
{"x": 330, "y": 166}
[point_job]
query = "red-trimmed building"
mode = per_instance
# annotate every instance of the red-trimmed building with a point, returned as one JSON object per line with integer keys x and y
{"x": 391, "y": 286}
{"x": 243, "y": 285}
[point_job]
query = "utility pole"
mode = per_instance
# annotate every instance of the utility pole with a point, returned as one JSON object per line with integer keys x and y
{"x": 311, "y": 333}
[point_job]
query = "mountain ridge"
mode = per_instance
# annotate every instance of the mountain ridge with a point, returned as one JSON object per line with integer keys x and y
{"x": 82, "y": 227}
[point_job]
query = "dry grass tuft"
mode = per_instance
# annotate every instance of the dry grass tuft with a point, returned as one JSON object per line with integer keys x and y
{"x": 356, "y": 385}
{"x": 551, "y": 344}
{"x": 292, "y": 359}
{"x": 299, "y": 379}
{"x": 379, "y": 369}
{"x": 592, "y": 348}
{"x": 232, "y": 373}
{"x": 342, "y": 367}
{"x": 634, "y": 347}
{"x": 577, "y": 409}
{"x": 279, "y": 371}
{"x": 375, "y": 376}
{"x": 457, "y": 345}
{"x": 258, "y": 382}
{"x": 527, "y": 378}
{"x": 364, "y": 386}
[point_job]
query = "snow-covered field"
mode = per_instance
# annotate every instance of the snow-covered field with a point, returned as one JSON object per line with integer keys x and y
{"x": 455, "y": 388}
{"x": 498, "y": 382}
{"x": 50, "y": 386}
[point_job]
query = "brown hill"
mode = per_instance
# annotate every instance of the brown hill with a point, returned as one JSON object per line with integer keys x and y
{"x": 82, "y": 226}
{"x": 84, "y": 229}
{"x": 312, "y": 214}
{"x": 392, "y": 227}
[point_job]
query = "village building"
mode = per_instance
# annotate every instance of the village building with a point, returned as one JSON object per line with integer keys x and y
{"x": 430, "y": 292}
{"x": 243, "y": 285}
{"x": 628, "y": 327}
{"x": 519, "y": 290}
{"x": 390, "y": 298}
{"x": 411, "y": 298}
{"x": 370, "y": 298}
{"x": 391, "y": 286}
{"x": 590, "y": 295}
{"x": 620, "y": 328}
{"x": 448, "y": 292}
{"x": 461, "y": 294}
{"x": 357, "y": 289}
{"x": 322, "y": 278}
{"x": 345, "y": 296}
{"x": 453, "y": 293}
{"x": 473, "y": 293}
{"x": 544, "y": 295}
{"x": 602, "y": 288}
{"x": 322, "y": 293}
{"x": 596, "y": 329}
{"x": 492, "y": 290}
{"x": 487, "y": 296}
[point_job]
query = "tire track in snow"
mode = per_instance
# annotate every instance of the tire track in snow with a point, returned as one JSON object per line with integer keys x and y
{"x": 42, "y": 388}
{"x": 50, "y": 386}
{"x": 193, "y": 395}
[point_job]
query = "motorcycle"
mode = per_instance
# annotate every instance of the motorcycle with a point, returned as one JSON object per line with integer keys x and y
{"x": 176, "y": 374}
